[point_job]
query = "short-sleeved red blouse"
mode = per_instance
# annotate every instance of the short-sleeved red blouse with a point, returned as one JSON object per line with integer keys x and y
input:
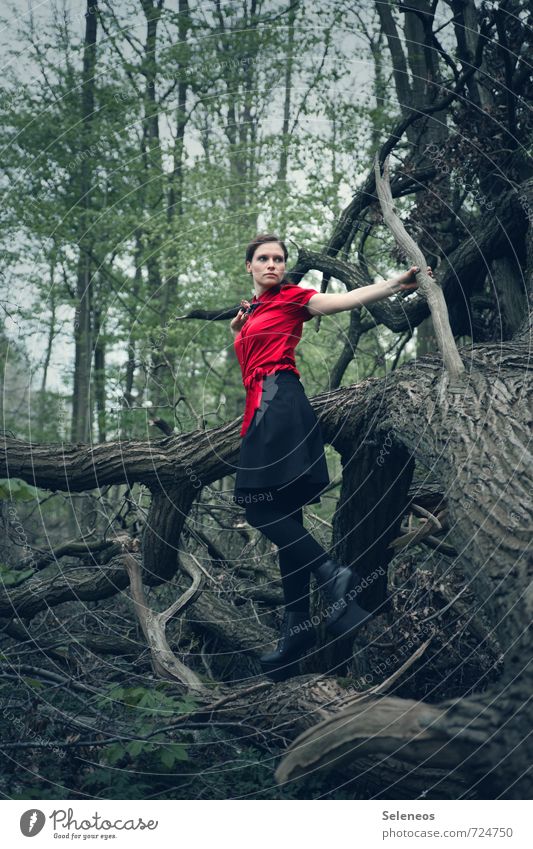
{"x": 268, "y": 339}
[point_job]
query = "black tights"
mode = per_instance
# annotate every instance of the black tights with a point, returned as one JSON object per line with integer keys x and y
{"x": 281, "y": 521}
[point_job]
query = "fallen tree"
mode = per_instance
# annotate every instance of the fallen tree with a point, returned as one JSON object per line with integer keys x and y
{"x": 475, "y": 442}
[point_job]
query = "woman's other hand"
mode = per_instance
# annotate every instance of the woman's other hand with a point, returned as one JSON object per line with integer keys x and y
{"x": 240, "y": 319}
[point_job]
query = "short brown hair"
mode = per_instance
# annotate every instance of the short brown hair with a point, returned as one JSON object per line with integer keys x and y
{"x": 262, "y": 239}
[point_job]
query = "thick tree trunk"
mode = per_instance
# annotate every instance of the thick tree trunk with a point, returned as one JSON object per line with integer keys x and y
{"x": 510, "y": 295}
{"x": 477, "y": 446}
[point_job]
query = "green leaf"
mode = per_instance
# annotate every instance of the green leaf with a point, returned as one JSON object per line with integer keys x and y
{"x": 113, "y": 753}
{"x": 186, "y": 705}
{"x": 135, "y": 748}
{"x": 172, "y": 753}
{"x": 167, "y": 758}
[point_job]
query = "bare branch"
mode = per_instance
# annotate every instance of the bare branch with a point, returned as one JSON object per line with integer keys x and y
{"x": 153, "y": 624}
{"x": 428, "y": 287}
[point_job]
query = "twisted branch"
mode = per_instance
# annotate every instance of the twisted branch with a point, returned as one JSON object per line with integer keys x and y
{"x": 154, "y": 624}
{"x": 428, "y": 287}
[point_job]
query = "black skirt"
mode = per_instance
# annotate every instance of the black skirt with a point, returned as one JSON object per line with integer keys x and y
{"x": 282, "y": 450}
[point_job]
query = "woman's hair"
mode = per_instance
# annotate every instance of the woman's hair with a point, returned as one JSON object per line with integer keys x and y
{"x": 262, "y": 239}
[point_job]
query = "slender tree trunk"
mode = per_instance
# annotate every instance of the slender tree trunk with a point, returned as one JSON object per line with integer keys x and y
{"x": 466, "y": 25}
{"x": 355, "y": 331}
{"x": 240, "y": 125}
{"x": 380, "y": 89}
{"x": 154, "y": 195}
{"x": 285, "y": 137}
{"x": 399, "y": 62}
{"x": 99, "y": 377}
{"x": 81, "y": 416}
{"x": 51, "y": 329}
{"x": 176, "y": 179}
{"x": 128, "y": 398}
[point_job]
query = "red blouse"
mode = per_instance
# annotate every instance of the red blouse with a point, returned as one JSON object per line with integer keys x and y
{"x": 268, "y": 338}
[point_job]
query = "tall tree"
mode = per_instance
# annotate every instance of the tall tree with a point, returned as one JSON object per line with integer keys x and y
{"x": 83, "y": 321}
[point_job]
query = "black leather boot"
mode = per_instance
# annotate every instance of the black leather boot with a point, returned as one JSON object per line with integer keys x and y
{"x": 343, "y": 614}
{"x": 334, "y": 582}
{"x": 353, "y": 618}
{"x": 297, "y": 635}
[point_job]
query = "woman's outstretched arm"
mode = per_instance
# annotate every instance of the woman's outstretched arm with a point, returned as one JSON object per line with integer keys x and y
{"x": 326, "y": 304}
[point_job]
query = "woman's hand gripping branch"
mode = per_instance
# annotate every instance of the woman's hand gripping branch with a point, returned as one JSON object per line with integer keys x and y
{"x": 241, "y": 318}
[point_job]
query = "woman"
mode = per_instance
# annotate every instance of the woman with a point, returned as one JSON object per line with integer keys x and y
{"x": 282, "y": 465}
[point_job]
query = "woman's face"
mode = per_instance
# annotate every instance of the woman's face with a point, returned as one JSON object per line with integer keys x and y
{"x": 268, "y": 264}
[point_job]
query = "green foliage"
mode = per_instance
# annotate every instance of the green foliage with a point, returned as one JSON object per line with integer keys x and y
{"x": 166, "y": 221}
{"x": 148, "y": 702}
{"x": 143, "y": 709}
{"x": 16, "y": 490}
{"x": 13, "y": 577}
